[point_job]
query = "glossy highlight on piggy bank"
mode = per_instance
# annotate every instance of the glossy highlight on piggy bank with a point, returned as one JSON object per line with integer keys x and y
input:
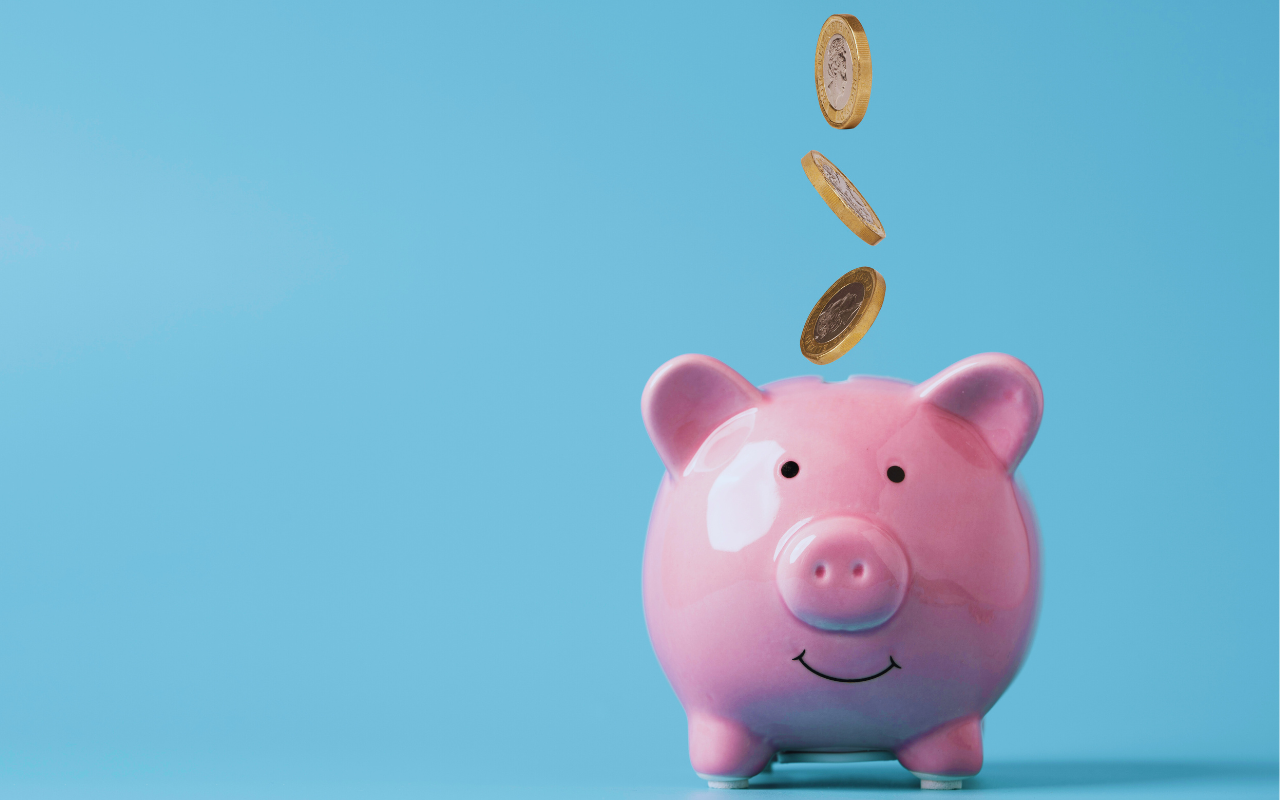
{"x": 841, "y": 571}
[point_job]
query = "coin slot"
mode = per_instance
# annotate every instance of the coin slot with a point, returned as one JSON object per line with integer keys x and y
{"x": 790, "y": 469}
{"x": 897, "y": 474}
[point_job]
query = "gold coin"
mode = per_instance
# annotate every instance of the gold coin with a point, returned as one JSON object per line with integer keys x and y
{"x": 843, "y": 197}
{"x": 842, "y": 71}
{"x": 842, "y": 315}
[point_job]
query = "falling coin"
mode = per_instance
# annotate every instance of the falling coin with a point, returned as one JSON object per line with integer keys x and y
{"x": 843, "y": 197}
{"x": 842, "y": 315}
{"x": 842, "y": 71}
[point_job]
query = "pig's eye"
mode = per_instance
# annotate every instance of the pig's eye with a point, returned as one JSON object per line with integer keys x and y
{"x": 790, "y": 469}
{"x": 897, "y": 474}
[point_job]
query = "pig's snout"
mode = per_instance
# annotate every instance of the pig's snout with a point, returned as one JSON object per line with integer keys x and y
{"x": 842, "y": 574}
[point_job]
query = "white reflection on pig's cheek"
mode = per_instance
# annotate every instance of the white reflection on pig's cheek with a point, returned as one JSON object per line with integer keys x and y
{"x": 744, "y": 499}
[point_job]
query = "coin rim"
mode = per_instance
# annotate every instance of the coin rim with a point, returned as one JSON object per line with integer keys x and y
{"x": 836, "y": 203}
{"x": 856, "y": 108}
{"x": 874, "y": 288}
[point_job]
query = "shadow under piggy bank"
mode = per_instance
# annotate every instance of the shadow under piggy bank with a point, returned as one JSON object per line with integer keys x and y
{"x": 1014, "y": 775}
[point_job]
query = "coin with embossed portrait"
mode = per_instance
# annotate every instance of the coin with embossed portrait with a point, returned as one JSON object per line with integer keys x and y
{"x": 842, "y": 315}
{"x": 843, "y": 197}
{"x": 842, "y": 71}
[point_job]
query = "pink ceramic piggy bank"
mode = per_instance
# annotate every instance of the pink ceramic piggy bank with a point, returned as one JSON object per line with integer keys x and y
{"x": 841, "y": 571}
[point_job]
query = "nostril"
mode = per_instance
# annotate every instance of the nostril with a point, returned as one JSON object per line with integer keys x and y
{"x": 858, "y": 569}
{"x": 820, "y": 572}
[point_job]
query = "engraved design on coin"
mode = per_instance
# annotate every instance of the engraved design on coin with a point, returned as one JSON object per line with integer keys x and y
{"x": 839, "y": 311}
{"x": 838, "y": 79}
{"x": 849, "y": 195}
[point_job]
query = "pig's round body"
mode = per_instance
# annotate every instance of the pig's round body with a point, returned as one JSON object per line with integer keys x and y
{"x": 802, "y": 595}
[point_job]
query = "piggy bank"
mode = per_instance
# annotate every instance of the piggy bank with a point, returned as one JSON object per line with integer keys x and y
{"x": 840, "y": 571}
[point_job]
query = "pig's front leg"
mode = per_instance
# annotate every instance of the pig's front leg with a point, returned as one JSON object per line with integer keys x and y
{"x": 946, "y": 755}
{"x": 724, "y": 753}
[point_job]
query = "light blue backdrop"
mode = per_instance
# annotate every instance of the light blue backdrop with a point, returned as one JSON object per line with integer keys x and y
{"x": 323, "y": 330}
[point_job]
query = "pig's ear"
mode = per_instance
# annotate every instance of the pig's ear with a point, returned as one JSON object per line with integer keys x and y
{"x": 998, "y": 394}
{"x": 686, "y": 399}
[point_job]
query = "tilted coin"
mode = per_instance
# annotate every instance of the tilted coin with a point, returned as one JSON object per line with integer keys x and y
{"x": 843, "y": 197}
{"x": 842, "y": 315}
{"x": 842, "y": 71}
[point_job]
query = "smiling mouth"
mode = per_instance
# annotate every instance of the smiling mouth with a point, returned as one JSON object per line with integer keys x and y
{"x": 892, "y": 665}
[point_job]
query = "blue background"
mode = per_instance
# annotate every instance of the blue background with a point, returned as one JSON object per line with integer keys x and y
{"x": 323, "y": 331}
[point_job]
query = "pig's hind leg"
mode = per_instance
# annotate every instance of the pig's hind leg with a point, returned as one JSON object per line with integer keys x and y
{"x": 946, "y": 755}
{"x": 724, "y": 753}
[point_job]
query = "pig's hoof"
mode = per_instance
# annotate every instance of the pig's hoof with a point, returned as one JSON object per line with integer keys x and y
{"x": 925, "y": 783}
{"x": 718, "y": 782}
